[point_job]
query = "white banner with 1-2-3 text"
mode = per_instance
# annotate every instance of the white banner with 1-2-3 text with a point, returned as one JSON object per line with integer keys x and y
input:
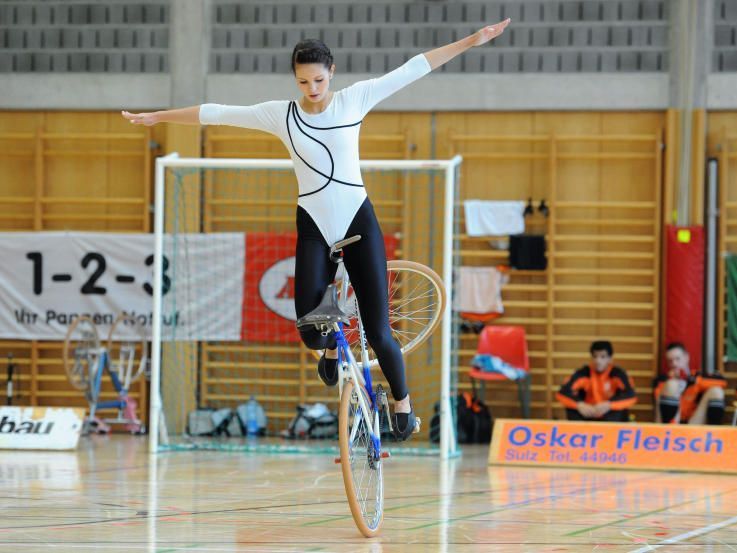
{"x": 47, "y": 279}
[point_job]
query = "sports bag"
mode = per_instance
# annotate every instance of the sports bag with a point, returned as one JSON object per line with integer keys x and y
{"x": 473, "y": 421}
{"x": 209, "y": 422}
{"x": 313, "y": 422}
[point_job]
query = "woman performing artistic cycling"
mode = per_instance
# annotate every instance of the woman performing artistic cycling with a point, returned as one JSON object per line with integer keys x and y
{"x": 320, "y": 131}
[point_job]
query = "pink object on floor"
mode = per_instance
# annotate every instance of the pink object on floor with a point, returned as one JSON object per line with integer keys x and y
{"x": 97, "y": 426}
{"x": 129, "y": 412}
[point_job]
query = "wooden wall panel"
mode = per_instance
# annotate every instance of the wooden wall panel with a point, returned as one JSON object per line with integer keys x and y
{"x": 76, "y": 171}
{"x": 17, "y": 167}
{"x": 601, "y": 175}
{"x": 96, "y": 173}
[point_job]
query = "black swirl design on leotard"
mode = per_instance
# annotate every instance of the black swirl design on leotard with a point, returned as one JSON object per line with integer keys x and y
{"x": 298, "y": 122}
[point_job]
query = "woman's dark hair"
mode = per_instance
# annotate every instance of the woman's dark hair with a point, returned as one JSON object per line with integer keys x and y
{"x": 602, "y": 345}
{"x": 311, "y": 50}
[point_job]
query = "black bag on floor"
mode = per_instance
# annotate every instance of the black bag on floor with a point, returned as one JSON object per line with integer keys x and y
{"x": 473, "y": 421}
{"x": 209, "y": 422}
{"x": 312, "y": 422}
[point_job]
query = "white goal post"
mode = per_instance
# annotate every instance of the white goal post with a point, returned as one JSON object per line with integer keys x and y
{"x": 446, "y": 170}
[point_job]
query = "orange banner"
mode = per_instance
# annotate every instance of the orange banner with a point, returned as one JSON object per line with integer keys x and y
{"x": 614, "y": 445}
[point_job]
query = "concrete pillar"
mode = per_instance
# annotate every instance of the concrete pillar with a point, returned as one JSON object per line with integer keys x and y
{"x": 189, "y": 47}
{"x": 691, "y": 27}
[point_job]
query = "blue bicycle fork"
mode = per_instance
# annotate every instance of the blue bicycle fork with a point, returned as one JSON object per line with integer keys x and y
{"x": 342, "y": 349}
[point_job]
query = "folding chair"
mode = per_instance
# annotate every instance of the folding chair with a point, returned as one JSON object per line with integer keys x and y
{"x": 510, "y": 344}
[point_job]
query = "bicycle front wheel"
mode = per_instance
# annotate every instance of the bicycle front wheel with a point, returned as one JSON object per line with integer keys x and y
{"x": 362, "y": 468}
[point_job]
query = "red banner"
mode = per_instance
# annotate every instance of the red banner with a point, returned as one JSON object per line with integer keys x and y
{"x": 268, "y": 297}
{"x": 684, "y": 304}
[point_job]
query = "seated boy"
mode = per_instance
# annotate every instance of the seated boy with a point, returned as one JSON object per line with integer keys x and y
{"x": 685, "y": 397}
{"x": 598, "y": 391}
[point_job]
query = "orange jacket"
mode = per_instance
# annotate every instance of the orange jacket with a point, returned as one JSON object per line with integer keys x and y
{"x": 586, "y": 384}
{"x": 695, "y": 386}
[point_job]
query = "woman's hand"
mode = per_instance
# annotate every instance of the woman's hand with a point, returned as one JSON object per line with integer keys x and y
{"x": 489, "y": 32}
{"x": 147, "y": 119}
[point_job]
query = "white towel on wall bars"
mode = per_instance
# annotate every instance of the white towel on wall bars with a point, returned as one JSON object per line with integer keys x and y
{"x": 480, "y": 290}
{"x": 491, "y": 218}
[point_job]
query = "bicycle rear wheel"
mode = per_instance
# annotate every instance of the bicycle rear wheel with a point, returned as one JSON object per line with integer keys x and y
{"x": 362, "y": 469}
{"x": 416, "y": 305}
{"x": 127, "y": 348}
{"x": 81, "y": 353}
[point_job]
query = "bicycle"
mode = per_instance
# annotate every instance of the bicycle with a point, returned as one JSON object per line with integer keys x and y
{"x": 416, "y": 303}
{"x": 85, "y": 361}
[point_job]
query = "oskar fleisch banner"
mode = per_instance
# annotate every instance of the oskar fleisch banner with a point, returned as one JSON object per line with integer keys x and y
{"x": 614, "y": 445}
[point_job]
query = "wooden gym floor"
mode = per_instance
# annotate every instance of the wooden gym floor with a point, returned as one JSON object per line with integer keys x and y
{"x": 105, "y": 497}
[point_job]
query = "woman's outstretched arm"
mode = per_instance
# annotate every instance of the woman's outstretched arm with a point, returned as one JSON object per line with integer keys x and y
{"x": 444, "y": 54}
{"x": 186, "y": 116}
{"x": 262, "y": 117}
{"x": 370, "y": 92}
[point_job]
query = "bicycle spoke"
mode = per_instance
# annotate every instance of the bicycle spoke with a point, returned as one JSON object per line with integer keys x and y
{"x": 415, "y": 303}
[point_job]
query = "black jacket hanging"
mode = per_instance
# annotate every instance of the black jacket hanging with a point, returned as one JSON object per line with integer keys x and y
{"x": 527, "y": 251}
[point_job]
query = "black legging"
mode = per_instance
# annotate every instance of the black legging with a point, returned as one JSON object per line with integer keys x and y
{"x": 610, "y": 416}
{"x": 365, "y": 261}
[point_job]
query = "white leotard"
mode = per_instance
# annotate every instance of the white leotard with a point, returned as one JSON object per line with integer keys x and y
{"x": 323, "y": 146}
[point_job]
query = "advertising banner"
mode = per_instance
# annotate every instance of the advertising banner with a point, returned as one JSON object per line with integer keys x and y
{"x": 47, "y": 279}
{"x": 218, "y": 286}
{"x": 268, "y": 301}
{"x": 614, "y": 445}
{"x": 40, "y": 427}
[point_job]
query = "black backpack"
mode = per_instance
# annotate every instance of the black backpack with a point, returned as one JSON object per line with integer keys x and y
{"x": 312, "y": 422}
{"x": 473, "y": 421}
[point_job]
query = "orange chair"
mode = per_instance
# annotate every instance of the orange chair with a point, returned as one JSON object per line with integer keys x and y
{"x": 510, "y": 344}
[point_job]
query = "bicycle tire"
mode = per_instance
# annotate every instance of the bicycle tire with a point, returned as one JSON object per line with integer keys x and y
{"x": 362, "y": 474}
{"x": 141, "y": 338}
{"x": 76, "y": 360}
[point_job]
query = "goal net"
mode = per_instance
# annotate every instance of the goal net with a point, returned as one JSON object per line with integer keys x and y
{"x": 224, "y": 320}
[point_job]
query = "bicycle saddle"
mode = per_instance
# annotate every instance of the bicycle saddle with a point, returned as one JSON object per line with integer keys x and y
{"x": 326, "y": 313}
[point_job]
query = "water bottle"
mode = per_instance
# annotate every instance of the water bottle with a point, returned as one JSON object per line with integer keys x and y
{"x": 252, "y": 417}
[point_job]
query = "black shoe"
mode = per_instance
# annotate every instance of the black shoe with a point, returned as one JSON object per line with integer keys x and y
{"x": 327, "y": 370}
{"x": 404, "y": 424}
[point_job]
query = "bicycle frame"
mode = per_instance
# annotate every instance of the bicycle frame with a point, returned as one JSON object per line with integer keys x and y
{"x": 347, "y": 364}
{"x": 103, "y": 364}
